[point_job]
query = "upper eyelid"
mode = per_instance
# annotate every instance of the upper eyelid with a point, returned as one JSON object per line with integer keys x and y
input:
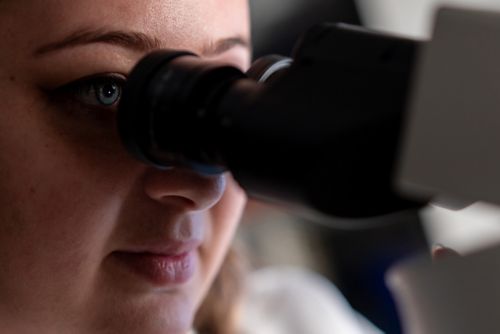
{"x": 98, "y": 76}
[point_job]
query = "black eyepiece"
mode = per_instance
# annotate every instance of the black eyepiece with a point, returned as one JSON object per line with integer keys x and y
{"x": 169, "y": 99}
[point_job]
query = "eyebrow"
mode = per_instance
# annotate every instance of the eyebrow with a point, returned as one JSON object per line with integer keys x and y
{"x": 133, "y": 40}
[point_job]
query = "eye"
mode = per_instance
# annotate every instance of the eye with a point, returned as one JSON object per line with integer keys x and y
{"x": 101, "y": 91}
{"x": 106, "y": 93}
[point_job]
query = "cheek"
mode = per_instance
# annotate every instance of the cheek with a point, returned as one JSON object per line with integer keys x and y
{"x": 223, "y": 223}
{"x": 226, "y": 215}
{"x": 48, "y": 177}
{"x": 55, "y": 207}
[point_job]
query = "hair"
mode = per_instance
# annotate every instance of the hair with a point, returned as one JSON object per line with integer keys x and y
{"x": 219, "y": 312}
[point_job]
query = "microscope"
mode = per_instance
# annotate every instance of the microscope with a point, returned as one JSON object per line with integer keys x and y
{"x": 357, "y": 123}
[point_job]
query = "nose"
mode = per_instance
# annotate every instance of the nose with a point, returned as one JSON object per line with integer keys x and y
{"x": 185, "y": 188}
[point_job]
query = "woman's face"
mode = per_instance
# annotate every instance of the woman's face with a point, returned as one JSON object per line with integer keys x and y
{"x": 92, "y": 241}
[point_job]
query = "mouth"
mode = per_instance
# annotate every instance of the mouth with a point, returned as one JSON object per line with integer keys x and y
{"x": 169, "y": 265}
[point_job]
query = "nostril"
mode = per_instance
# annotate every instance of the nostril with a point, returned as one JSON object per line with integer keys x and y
{"x": 183, "y": 187}
{"x": 178, "y": 201}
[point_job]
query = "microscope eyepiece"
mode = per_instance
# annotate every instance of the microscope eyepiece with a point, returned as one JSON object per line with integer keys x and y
{"x": 167, "y": 106}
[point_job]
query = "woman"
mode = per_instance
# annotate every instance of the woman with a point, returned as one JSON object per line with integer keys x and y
{"x": 91, "y": 240}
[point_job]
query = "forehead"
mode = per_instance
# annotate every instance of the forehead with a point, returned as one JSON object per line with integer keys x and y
{"x": 177, "y": 23}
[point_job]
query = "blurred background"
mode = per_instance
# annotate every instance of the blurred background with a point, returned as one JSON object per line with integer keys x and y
{"x": 356, "y": 260}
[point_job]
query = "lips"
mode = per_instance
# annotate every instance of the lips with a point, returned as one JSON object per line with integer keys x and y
{"x": 172, "y": 263}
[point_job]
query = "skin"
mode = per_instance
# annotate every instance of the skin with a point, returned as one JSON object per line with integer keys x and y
{"x": 70, "y": 195}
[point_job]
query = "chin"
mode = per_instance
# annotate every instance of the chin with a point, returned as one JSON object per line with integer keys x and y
{"x": 162, "y": 313}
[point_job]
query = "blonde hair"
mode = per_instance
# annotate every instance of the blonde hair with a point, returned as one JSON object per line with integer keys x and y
{"x": 219, "y": 312}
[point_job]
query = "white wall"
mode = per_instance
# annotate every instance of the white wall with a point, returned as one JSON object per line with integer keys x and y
{"x": 411, "y": 17}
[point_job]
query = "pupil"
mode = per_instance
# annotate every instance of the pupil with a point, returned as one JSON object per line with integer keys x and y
{"x": 108, "y": 93}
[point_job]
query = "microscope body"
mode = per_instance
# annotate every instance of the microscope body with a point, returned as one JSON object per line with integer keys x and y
{"x": 321, "y": 134}
{"x": 353, "y": 85}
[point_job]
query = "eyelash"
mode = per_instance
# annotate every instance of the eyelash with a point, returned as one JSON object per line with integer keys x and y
{"x": 87, "y": 92}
